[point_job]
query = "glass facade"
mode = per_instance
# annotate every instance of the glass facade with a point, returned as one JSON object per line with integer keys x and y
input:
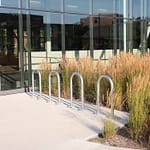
{"x": 77, "y": 29}
{"x": 35, "y": 30}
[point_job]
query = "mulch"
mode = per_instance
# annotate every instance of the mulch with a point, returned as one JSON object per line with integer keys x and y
{"x": 121, "y": 139}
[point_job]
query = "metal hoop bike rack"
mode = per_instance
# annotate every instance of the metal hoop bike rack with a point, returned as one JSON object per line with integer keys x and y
{"x": 82, "y": 89}
{"x": 98, "y": 93}
{"x": 50, "y": 89}
{"x": 40, "y": 82}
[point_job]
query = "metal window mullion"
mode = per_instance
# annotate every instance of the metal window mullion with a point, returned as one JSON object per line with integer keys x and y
{"x": 115, "y": 19}
{"x": 63, "y": 35}
{"x": 21, "y": 49}
{"x": 29, "y": 48}
{"x": 62, "y": 30}
{"x": 91, "y": 37}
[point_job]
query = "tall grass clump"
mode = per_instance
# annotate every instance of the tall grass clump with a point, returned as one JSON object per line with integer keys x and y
{"x": 109, "y": 129}
{"x": 122, "y": 69}
{"x": 119, "y": 69}
{"x": 139, "y": 98}
{"x": 90, "y": 71}
{"x": 130, "y": 74}
{"x": 87, "y": 69}
{"x": 45, "y": 68}
{"x": 66, "y": 68}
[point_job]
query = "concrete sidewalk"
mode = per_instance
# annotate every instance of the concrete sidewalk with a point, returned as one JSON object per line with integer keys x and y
{"x": 30, "y": 124}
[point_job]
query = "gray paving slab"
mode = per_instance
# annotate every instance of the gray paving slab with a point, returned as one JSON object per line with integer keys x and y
{"x": 30, "y": 124}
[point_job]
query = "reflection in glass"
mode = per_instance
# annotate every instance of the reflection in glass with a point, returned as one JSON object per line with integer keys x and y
{"x": 26, "y": 46}
{"x": 25, "y": 4}
{"x": 136, "y": 33}
{"x": 10, "y": 3}
{"x": 76, "y": 32}
{"x": 9, "y": 37}
{"x": 79, "y": 6}
{"x": 103, "y": 32}
{"x": 46, "y": 4}
{"x": 9, "y": 50}
{"x": 148, "y": 10}
{"x": 37, "y": 33}
{"x": 119, "y": 6}
{"x": 45, "y": 31}
{"x": 54, "y": 27}
{"x": 54, "y": 5}
{"x": 136, "y": 8}
{"x": 103, "y": 6}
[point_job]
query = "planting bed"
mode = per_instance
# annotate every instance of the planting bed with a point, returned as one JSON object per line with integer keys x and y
{"x": 121, "y": 139}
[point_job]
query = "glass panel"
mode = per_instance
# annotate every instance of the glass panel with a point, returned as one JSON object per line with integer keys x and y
{"x": 9, "y": 50}
{"x": 148, "y": 10}
{"x": 26, "y": 46}
{"x": 45, "y": 31}
{"x": 10, "y": 3}
{"x": 103, "y": 32}
{"x": 53, "y": 31}
{"x": 25, "y": 4}
{"x": 37, "y": 31}
{"x": 119, "y": 7}
{"x": 54, "y": 5}
{"x": 120, "y": 34}
{"x": 136, "y": 8}
{"x": 103, "y": 6}
{"x": 136, "y": 34}
{"x": 56, "y": 31}
{"x": 46, "y": 4}
{"x": 36, "y": 4}
{"x": 80, "y": 6}
{"x": 77, "y": 32}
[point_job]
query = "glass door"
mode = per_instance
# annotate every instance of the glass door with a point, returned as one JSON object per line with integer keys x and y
{"x": 10, "y": 70}
{"x": 26, "y": 45}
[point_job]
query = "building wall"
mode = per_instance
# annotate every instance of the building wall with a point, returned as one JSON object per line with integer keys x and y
{"x": 32, "y": 31}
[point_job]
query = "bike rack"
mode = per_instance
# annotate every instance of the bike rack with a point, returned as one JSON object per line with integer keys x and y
{"x": 58, "y": 79}
{"x": 0, "y": 83}
{"x": 82, "y": 89}
{"x": 40, "y": 82}
{"x": 98, "y": 93}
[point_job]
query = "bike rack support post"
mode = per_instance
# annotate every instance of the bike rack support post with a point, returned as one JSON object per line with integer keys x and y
{"x": 40, "y": 82}
{"x": 0, "y": 82}
{"x": 82, "y": 89}
{"x": 111, "y": 93}
{"x": 50, "y": 89}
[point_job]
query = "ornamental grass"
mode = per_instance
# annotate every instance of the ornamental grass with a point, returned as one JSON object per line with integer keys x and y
{"x": 130, "y": 74}
{"x": 138, "y": 99}
{"x": 90, "y": 71}
{"x": 45, "y": 68}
